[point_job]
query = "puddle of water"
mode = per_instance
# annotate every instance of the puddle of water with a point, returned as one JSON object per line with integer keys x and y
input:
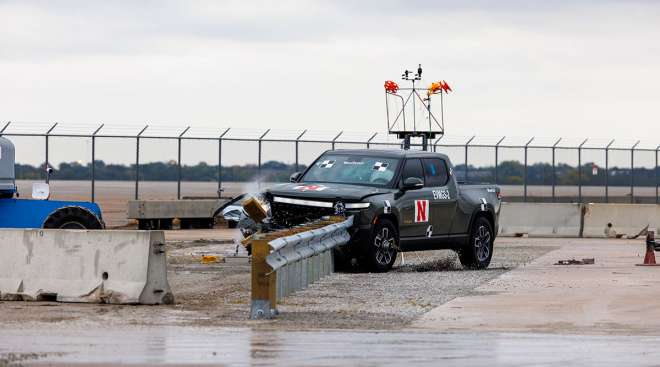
{"x": 172, "y": 345}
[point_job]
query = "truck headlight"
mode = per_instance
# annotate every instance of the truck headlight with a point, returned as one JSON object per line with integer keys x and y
{"x": 357, "y": 205}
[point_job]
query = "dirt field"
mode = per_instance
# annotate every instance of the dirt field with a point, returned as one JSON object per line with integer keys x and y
{"x": 218, "y": 294}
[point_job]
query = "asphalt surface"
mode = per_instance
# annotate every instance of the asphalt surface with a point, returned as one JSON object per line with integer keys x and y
{"x": 247, "y": 347}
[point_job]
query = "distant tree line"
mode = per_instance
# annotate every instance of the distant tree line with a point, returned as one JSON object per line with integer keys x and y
{"x": 272, "y": 171}
{"x": 513, "y": 173}
{"x": 508, "y": 173}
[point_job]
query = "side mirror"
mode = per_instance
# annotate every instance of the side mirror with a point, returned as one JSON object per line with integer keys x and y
{"x": 295, "y": 177}
{"x": 412, "y": 183}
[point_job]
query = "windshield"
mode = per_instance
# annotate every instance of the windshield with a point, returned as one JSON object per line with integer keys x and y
{"x": 352, "y": 169}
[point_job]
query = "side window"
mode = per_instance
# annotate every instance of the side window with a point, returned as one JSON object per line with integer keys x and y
{"x": 413, "y": 168}
{"x": 436, "y": 172}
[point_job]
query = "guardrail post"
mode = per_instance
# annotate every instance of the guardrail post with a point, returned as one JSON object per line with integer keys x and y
{"x": 632, "y": 172}
{"x": 178, "y": 163}
{"x": 264, "y": 282}
{"x": 137, "y": 161}
{"x": 93, "y": 167}
{"x": 297, "y": 142}
{"x": 607, "y": 171}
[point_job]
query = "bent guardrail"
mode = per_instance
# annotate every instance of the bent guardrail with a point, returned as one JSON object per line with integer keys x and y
{"x": 289, "y": 260}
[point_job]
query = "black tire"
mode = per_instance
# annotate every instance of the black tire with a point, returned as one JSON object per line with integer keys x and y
{"x": 72, "y": 217}
{"x": 232, "y": 224}
{"x": 479, "y": 250}
{"x": 382, "y": 246}
{"x": 340, "y": 261}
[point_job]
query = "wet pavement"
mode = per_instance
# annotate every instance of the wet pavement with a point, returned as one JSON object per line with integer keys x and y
{"x": 244, "y": 346}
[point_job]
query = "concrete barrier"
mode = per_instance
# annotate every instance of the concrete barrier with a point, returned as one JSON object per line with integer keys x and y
{"x": 84, "y": 266}
{"x": 540, "y": 219}
{"x": 627, "y": 219}
{"x": 158, "y": 214}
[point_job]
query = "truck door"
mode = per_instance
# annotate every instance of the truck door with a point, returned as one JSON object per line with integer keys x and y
{"x": 413, "y": 205}
{"x": 443, "y": 195}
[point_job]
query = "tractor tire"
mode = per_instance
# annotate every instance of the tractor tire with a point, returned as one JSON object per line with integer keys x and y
{"x": 72, "y": 217}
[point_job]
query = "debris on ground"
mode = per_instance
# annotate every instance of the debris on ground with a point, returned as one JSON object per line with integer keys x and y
{"x": 590, "y": 261}
{"x": 211, "y": 259}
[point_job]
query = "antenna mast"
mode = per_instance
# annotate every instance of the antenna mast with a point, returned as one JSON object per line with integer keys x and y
{"x": 405, "y": 99}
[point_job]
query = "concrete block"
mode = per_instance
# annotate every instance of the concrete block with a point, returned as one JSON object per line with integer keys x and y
{"x": 156, "y": 209}
{"x": 627, "y": 219}
{"x": 123, "y": 267}
{"x": 540, "y": 219}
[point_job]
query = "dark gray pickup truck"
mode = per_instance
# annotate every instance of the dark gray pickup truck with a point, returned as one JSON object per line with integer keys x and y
{"x": 402, "y": 200}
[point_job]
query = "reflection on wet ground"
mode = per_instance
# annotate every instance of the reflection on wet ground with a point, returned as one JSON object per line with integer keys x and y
{"x": 195, "y": 346}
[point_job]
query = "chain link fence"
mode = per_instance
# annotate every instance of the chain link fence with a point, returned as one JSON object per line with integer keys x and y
{"x": 532, "y": 169}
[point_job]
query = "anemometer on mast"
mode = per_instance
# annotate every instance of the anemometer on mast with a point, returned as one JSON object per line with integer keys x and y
{"x": 399, "y": 102}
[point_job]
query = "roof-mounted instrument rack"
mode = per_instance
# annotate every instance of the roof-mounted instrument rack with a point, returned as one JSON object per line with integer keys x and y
{"x": 402, "y": 104}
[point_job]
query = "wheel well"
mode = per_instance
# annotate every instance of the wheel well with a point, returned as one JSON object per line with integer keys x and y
{"x": 391, "y": 218}
{"x": 484, "y": 214}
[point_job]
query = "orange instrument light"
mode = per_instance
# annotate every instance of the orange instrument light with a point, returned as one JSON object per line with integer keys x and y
{"x": 434, "y": 88}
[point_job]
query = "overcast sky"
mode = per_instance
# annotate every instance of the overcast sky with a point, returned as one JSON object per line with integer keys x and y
{"x": 518, "y": 68}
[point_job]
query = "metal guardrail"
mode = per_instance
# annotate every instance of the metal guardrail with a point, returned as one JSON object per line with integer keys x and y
{"x": 286, "y": 261}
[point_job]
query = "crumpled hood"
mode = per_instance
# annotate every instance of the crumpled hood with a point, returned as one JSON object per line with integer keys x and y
{"x": 327, "y": 191}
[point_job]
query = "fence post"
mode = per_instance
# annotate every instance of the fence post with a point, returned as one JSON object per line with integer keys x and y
{"x": 297, "y": 141}
{"x": 657, "y": 198}
{"x": 370, "y": 139}
{"x": 435, "y": 143}
{"x": 335, "y": 139}
{"x": 137, "y": 161}
{"x": 467, "y": 143}
{"x": 220, "y": 161}
{"x": 554, "y": 170}
{"x": 525, "y": 171}
{"x": 607, "y": 171}
{"x": 178, "y": 163}
{"x": 632, "y": 172}
{"x": 93, "y": 167}
{"x": 47, "y": 160}
{"x": 580, "y": 171}
{"x": 259, "y": 159}
{"x": 497, "y": 149}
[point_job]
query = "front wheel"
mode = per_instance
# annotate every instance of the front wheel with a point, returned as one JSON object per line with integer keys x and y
{"x": 479, "y": 250}
{"x": 383, "y": 245}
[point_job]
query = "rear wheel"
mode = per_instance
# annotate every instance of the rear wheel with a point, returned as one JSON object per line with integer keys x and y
{"x": 383, "y": 245}
{"x": 72, "y": 217}
{"x": 479, "y": 250}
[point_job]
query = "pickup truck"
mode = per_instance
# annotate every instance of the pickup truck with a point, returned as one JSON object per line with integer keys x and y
{"x": 401, "y": 200}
